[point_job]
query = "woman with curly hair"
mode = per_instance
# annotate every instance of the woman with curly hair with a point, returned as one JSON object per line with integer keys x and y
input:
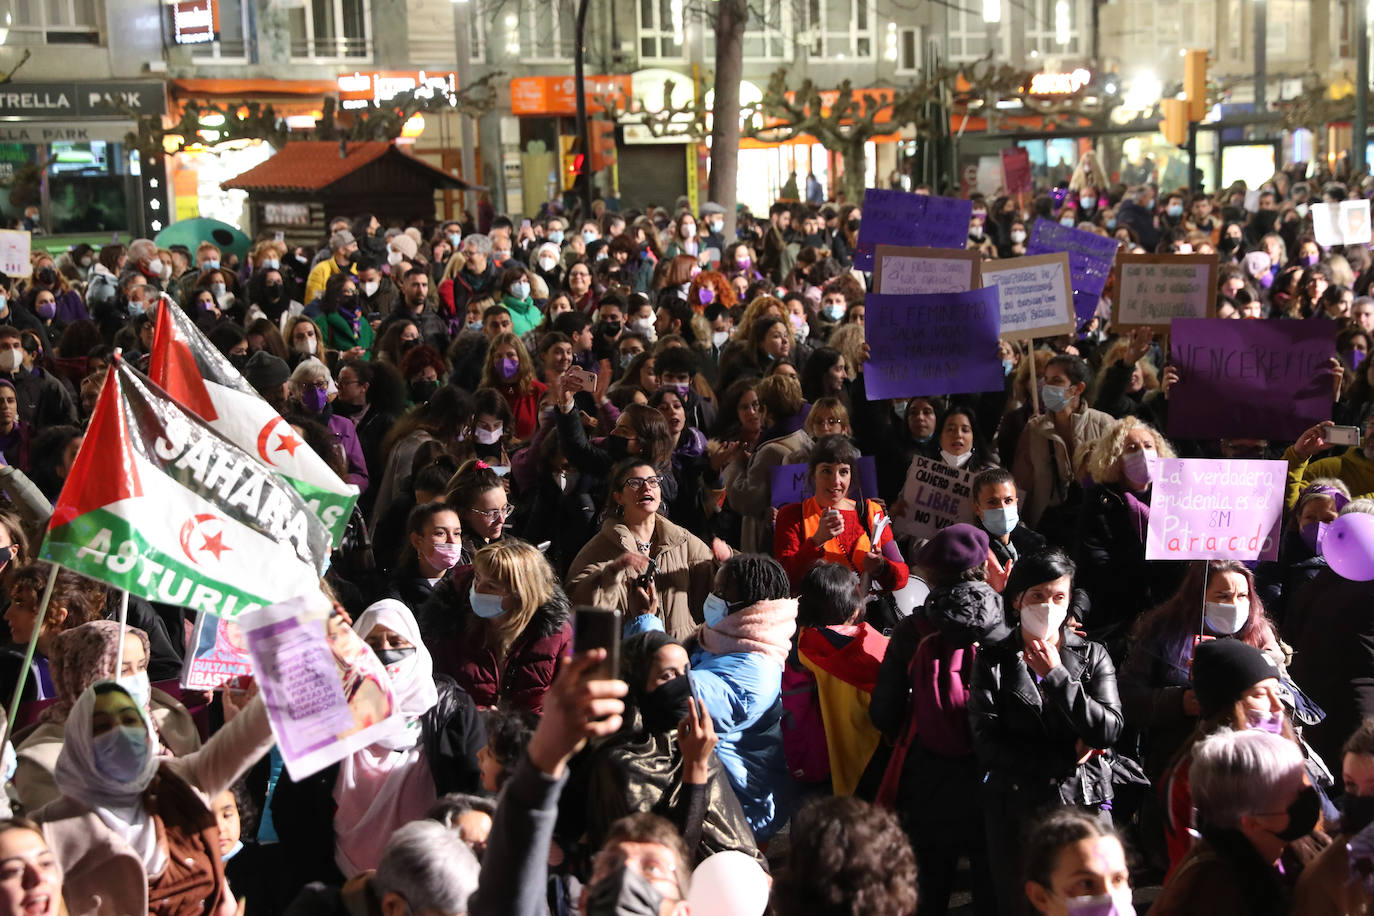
{"x": 710, "y": 286}
{"x": 1111, "y": 534}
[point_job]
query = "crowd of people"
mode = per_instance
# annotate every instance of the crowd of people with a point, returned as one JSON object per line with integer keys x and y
{"x": 812, "y": 714}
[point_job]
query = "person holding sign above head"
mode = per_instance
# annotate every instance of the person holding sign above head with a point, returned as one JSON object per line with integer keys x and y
{"x": 998, "y": 507}
{"x": 1048, "y": 450}
{"x": 1111, "y": 534}
{"x": 832, "y": 527}
{"x": 1129, "y": 382}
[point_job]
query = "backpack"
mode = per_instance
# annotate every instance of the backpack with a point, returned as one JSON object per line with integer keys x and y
{"x": 803, "y": 729}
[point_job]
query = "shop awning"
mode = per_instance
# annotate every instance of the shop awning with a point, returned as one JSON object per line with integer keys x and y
{"x": 313, "y": 165}
{"x": 249, "y": 89}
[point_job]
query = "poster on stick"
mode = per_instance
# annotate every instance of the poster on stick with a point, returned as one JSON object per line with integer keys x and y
{"x": 933, "y": 497}
{"x": 1256, "y": 379}
{"x": 327, "y": 694}
{"x": 1215, "y": 509}
{"x": 904, "y": 218}
{"x": 1154, "y": 289}
{"x": 903, "y": 270}
{"x": 1035, "y": 295}
{"x": 935, "y": 344}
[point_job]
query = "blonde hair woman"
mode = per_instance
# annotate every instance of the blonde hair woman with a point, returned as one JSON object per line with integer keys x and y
{"x": 499, "y": 627}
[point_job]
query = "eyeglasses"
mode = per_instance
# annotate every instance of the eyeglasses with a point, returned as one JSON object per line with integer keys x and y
{"x": 639, "y": 483}
{"x": 829, "y": 422}
{"x": 650, "y": 866}
{"x": 495, "y": 515}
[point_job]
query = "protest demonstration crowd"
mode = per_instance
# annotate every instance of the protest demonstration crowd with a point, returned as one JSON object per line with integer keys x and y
{"x": 1011, "y": 555}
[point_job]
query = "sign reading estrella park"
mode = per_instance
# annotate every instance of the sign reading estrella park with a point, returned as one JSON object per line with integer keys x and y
{"x": 109, "y": 99}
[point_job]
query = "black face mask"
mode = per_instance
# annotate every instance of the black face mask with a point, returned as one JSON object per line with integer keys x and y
{"x": 408, "y": 345}
{"x": 618, "y": 447}
{"x": 853, "y": 225}
{"x": 345, "y": 409}
{"x": 349, "y": 302}
{"x": 391, "y": 657}
{"x": 1357, "y": 812}
{"x": 421, "y": 391}
{"x": 666, "y": 705}
{"x": 624, "y": 893}
{"x": 1303, "y": 815}
{"x": 610, "y": 328}
{"x": 46, "y": 276}
{"x": 1227, "y": 244}
{"x": 238, "y": 360}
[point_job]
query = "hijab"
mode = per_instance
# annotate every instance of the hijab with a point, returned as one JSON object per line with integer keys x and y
{"x": 384, "y": 786}
{"x": 119, "y": 805}
{"x": 81, "y": 656}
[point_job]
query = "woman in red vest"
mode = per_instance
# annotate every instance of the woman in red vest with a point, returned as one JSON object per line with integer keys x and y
{"x": 832, "y": 527}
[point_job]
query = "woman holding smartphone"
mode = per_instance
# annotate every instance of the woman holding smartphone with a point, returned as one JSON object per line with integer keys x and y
{"x": 833, "y": 527}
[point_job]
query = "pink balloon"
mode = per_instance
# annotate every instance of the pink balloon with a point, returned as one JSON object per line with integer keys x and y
{"x": 1349, "y": 546}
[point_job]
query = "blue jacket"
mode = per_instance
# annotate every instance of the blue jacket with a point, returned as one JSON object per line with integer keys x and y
{"x": 743, "y": 693}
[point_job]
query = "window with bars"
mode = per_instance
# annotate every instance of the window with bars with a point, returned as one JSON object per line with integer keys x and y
{"x": 547, "y": 30}
{"x": 331, "y": 30}
{"x": 234, "y": 29}
{"x": 839, "y": 28}
{"x": 661, "y": 29}
{"x": 56, "y": 22}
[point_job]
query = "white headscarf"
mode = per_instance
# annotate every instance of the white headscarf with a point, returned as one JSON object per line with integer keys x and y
{"x": 389, "y": 783}
{"x": 118, "y": 804}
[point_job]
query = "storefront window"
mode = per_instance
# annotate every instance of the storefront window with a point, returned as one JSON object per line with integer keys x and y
{"x": 89, "y": 188}
{"x": 1052, "y": 161}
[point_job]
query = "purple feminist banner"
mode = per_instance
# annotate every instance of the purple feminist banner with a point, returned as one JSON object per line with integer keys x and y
{"x": 1215, "y": 509}
{"x": 1090, "y": 261}
{"x": 1254, "y": 379}
{"x": 791, "y": 483}
{"x": 939, "y": 343}
{"x": 913, "y": 220}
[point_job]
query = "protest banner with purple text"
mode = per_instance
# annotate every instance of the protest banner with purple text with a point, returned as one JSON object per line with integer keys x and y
{"x": 935, "y": 344}
{"x": 1215, "y": 509}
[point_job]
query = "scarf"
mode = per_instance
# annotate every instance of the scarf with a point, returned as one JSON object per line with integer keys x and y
{"x": 389, "y": 783}
{"x": 80, "y": 656}
{"x": 764, "y": 628}
{"x": 119, "y": 805}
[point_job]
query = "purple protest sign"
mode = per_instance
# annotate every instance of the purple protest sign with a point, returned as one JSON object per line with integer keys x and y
{"x": 939, "y": 343}
{"x": 791, "y": 483}
{"x": 1090, "y": 261}
{"x": 1215, "y": 509}
{"x": 913, "y": 220}
{"x": 1254, "y": 379}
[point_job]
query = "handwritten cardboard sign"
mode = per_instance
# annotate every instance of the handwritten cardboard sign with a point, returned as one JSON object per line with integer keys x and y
{"x": 935, "y": 496}
{"x": 791, "y": 483}
{"x": 1154, "y": 289}
{"x": 327, "y": 694}
{"x": 1016, "y": 170}
{"x": 1035, "y": 295}
{"x": 1215, "y": 509}
{"x": 15, "y": 247}
{"x": 1090, "y": 261}
{"x": 1263, "y": 379}
{"x": 903, "y": 218}
{"x": 1346, "y": 223}
{"x": 899, "y": 269}
{"x": 944, "y": 343}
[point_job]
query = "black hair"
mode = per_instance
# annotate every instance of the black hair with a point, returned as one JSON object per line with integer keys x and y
{"x": 1037, "y": 569}
{"x": 756, "y": 577}
{"x": 990, "y": 478}
{"x": 434, "y": 477}
{"x": 509, "y": 730}
{"x": 454, "y": 805}
{"x": 834, "y": 449}
{"x": 1046, "y": 838}
{"x": 1074, "y": 367}
{"x": 491, "y": 310}
{"x": 676, "y": 360}
{"x": 828, "y": 595}
{"x": 821, "y": 361}
{"x": 572, "y": 323}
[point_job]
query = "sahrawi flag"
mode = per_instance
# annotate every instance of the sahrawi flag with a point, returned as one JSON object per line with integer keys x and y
{"x": 190, "y": 369}
{"x": 158, "y": 504}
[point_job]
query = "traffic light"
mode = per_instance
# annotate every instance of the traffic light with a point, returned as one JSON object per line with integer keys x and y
{"x": 1195, "y": 83}
{"x": 1174, "y": 124}
{"x": 571, "y": 160}
{"x": 602, "y": 139}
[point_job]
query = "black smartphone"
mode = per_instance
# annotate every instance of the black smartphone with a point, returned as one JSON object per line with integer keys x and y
{"x": 646, "y": 578}
{"x": 598, "y": 628}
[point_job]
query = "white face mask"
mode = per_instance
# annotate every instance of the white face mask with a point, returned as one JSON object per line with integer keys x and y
{"x": 644, "y": 326}
{"x": 155, "y": 266}
{"x": 370, "y": 287}
{"x": 956, "y": 461}
{"x": 393, "y": 258}
{"x": 1040, "y": 620}
{"x": 11, "y": 360}
{"x": 488, "y": 436}
{"x": 1226, "y": 619}
{"x": 720, "y": 338}
{"x": 1018, "y": 236}
{"x": 306, "y": 346}
{"x": 547, "y": 264}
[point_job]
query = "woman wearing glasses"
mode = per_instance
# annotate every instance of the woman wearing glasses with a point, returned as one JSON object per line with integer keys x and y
{"x": 642, "y": 563}
{"x": 478, "y": 494}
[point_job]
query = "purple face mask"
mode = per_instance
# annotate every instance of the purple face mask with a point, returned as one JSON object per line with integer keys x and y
{"x": 743, "y": 263}
{"x": 314, "y": 399}
{"x": 1265, "y": 722}
{"x": 1310, "y": 260}
{"x": 46, "y": 310}
{"x": 706, "y": 295}
{"x": 509, "y": 367}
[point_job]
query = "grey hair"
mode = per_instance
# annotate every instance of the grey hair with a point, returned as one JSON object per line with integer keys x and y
{"x": 341, "y": 240}
{"x": 479, "y": 241}
{"x": 1365, "y": 505}
{"x": 309, "y": 371}
{"x": 142, "y": 248}
{"x": 429, "y": 866}
{"x": 1233, "y": 774}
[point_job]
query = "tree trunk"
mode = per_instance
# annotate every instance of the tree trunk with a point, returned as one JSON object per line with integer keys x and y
{"x": 724, "y": 176}
{"x": 855, "y": 159}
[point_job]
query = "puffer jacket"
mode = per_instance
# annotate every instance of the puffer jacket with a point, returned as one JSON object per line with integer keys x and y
{"x": 1025, "y": 734}
{"x": 456, "y": 639}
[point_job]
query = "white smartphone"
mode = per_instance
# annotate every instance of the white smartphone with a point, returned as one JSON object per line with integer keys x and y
{"x": 1342, "y": 435}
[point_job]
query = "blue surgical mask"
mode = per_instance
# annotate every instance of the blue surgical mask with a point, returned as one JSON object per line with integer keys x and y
{"x": 556, "y": 236}
{"x": 1007, "y": 366}
{"x": 121, "y": 752}
{"x": 1000, "y": 522}
{"x": 626, "y": 359}
{"x": 137, "y": 307}
{"x": 832, "y": 312}
{"x": 1055, "y": 397}
{"x": 218, "y": 290}
{"x": 210, "y": 265}
{"x": 139, "y": 687}
{"x": 1111, "y": 222}
{"x": 233, "y": 851}
{"x": 454, "y": 238}
{"x": 488, "y": 607}
{"x": 1174, "y": 210}
{"x": 271, "y": 264}
{"x": 589, "y": 237}
{"x": 714, "y": 609}
{"x": 520, "y": 289}
{"x": 473, "y": 325}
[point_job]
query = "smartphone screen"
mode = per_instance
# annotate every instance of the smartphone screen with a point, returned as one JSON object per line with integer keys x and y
{"x": 598, "y": 628}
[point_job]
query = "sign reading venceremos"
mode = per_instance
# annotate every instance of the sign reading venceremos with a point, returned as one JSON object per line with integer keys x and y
{"x": 160, "y": 505}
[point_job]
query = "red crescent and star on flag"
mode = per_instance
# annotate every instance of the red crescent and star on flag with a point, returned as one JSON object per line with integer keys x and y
{"x": 201, "y": 534}
{"x": 285, "y": 438}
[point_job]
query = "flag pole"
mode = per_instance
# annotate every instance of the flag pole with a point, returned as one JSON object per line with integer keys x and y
{"x": 28, "y": 655}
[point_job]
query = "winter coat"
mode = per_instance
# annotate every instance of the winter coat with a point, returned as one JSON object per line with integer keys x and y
{"x": 686, "y": 571}
{"x": 456, "y": 638}
{"x": 750, "y": 493}
{"x": 1044, "y": 467}
{"x": 1223, "y": 875}
{"x": 1025, "y": 733}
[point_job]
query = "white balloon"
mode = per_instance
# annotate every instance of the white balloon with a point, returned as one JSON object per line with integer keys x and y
{"x": 729, "y": 884}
